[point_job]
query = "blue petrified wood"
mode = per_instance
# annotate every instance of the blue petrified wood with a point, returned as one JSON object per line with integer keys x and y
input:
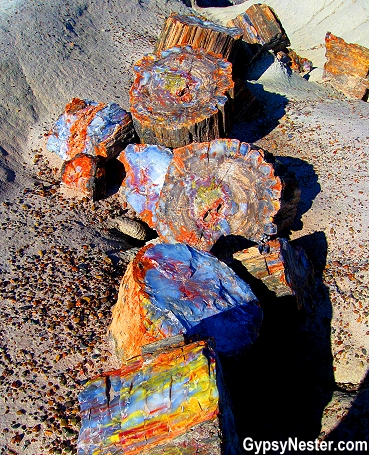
{"x": 96, "y": 129}
{"x": 171, "y": 289}
{"x": 154, "y": 400}
{"x": 145, "y": 169}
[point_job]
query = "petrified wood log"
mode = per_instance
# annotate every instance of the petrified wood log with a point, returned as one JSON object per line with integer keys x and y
{"x": 145, "y": 167}
{"x": 176, "y": 289}
{"x": 283, "y": 269}
{"x": 261, "y": 28}
{"x": 199, "y": 33}
{"x": 347, "y": 67}
{"x": 181, "y": 95}
{"x": 85, "y": 174}
{"x": 160, "y": 404}
{"x": 96, "y": 129}
{"x": 218, "y": 188}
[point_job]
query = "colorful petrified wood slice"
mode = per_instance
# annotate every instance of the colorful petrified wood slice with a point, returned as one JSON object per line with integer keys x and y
{"x": 145, "y": 169}
{"x": 218, "y": 188}
{"x": 171, "y": 289}
{"x": 181, "y": 95}
{"x": 96, "y": 129}
{"x": 155, "y": 400}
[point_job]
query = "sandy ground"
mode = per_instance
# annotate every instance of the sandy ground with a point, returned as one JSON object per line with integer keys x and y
{"x": 61, "y": 262}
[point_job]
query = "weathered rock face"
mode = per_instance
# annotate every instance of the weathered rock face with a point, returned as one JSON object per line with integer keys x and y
{"x": 175, "y": 289}
{"x": 347, "y": 67}
{"x": 199, "y": 33}
{"x": 154, "y": 400}
{"x": 180, "y": 96}
{"x": 145, "y": 169}
{"x": 85, "y": 174}
{"x": 261, "y": 28}
{"x": 95, "y": 129}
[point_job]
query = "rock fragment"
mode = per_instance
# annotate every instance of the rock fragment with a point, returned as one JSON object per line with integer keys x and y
{"x": 170, "y": 290}
{"x": 347, "y": 67}
{"x": 261, "y": 28}
{"x": 199, "y": 33}
{"x": 96, "y": 129}
{"x": 85, "y": 174}
{"x": 169, "y": 402}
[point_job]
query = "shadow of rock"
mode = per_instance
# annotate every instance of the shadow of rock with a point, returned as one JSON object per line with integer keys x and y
{"x": 273, "y": 109}
{"x": 355, "y": 425}
{"x": 307, "y": 181}
{"x": 281, "y": 386}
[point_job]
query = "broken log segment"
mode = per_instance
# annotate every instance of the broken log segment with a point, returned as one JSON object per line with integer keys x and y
{"x": 85, "y": 174}
{"x": 347, "y": 67}
{"x": 172, "y": 289}
{"x": 180, "y": 96}
{"x": 218, "y": 188}
{"x": 96, "y": 129}
{"x": 261, "y": 28}
{"x": 145, "y": 167}
{"x": 284, "y": 270}
{"x": 153, "y": 401}
{"x": 198, "y": 32}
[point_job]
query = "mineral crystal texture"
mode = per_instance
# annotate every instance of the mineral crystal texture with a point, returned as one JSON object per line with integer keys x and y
{"x": 96, "y": 129}
{"x": 154, "y": 400}
{"x": 218, "y": 188}
{"x": 145, "y": 168}
{"x": 181, "y": 95}
{"x": 85, "y": 174}
{"x": 171, "y": 289}
{"x": 347, "y": 67}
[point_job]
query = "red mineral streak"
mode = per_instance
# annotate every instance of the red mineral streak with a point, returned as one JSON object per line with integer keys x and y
{"x": 78, "y": 130}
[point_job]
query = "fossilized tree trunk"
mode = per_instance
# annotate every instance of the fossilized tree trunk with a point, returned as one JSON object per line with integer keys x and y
{"x": 347, "y": 67}
{"x": 198, "y": 32}
{"x": 180, "y": 96}
{"x": 172, "y": 289}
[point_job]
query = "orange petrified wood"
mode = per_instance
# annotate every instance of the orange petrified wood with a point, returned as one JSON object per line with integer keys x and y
{"x": 85, "y": 174}
{"x": 347, "y": 67}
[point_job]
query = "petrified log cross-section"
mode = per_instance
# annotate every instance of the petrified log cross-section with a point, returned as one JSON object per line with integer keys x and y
{"x": 181, "y": 95}
{"x": 172, "y": 289}
{"x": 199, "y": 33}
{"x": 218, "y": 188}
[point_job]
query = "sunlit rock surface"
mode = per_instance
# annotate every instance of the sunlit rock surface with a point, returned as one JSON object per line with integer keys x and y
{"x": 347, "y": 67}
{"x": 171, "y": 289}
{"x": 154, "y": 400}
{"x": 96, "y": 129}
